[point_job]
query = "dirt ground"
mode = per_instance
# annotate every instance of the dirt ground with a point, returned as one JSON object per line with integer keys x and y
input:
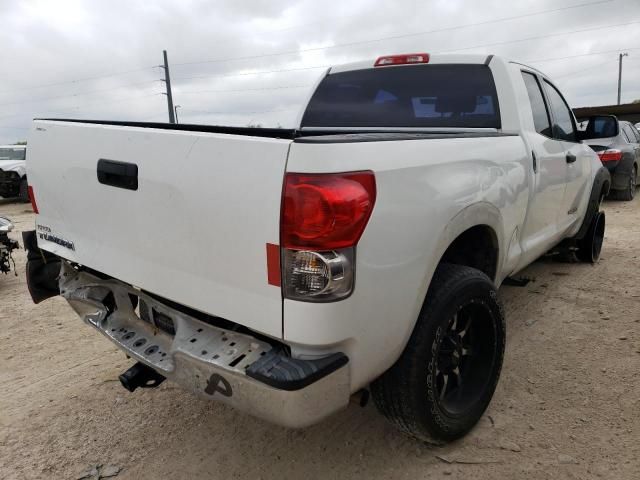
{"x": 567, "y": 405}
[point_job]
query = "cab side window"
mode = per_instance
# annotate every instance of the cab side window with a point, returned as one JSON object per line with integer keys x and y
{"x": 625, "y": 135}
{"x": 541, "y": 118}
{"x": 563, "y": 125}
{"x": 631, "y": 135}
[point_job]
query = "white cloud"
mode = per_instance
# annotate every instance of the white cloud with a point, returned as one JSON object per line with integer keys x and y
{"x": 46, "y": 43}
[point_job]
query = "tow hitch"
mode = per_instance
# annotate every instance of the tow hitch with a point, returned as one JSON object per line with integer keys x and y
{"x": 140, "y": 376}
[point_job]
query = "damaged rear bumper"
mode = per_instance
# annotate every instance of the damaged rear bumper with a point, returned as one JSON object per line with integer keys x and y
{"x": 252, "y": 374}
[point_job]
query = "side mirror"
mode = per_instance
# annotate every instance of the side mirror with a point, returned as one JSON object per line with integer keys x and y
{"x": 601, "y": 126}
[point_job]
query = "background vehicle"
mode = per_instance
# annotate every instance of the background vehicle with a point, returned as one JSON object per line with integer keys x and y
{"x": 617, "y": 143}
{"x": 13, "y": 172}
{"x": 7, "y": 245}
{"x": 364, "y": 248}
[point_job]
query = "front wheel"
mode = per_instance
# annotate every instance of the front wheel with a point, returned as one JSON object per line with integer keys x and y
{"x": 448, "y": 372}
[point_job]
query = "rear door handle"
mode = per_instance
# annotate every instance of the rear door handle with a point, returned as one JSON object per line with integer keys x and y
{"x": 118, "y": 174}
{"x": 571, "y": 158}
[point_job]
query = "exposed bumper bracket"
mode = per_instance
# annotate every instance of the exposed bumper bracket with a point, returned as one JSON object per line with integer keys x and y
{"x": 229, "y": 366}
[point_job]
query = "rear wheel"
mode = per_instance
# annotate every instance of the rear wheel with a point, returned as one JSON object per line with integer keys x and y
{"x": 446, "y": 376}
{"x": 23, "y": 192}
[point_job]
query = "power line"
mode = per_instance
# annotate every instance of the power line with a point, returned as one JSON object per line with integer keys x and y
{"x": 552, "y": 59}
{"x": 486, "y": 22}
{"x": 36, "y": 100}
{"x": 247, "y": 89}
{"x": 86, "y": 79}
{"x": 283, "y": 70}
{"x": 123, "y": 99}
{"x": 40, "y": 112}
{"x": 394, "y": 37}
{"x": 538, "y": 37}
{"x": 570, "y": 74}
{"x": 251, "y": 73}
{"x": 208, "y": 112}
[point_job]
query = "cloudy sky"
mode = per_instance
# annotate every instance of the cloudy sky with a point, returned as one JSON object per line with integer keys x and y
{"x": 239, "y": 62}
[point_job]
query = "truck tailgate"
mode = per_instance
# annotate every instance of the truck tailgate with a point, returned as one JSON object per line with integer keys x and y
{"x": 194, "y": 231}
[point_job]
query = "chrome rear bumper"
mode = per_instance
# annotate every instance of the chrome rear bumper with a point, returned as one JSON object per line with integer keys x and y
{"x": 219, "y": 364}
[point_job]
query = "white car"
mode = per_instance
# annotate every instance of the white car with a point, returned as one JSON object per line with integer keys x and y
{"x": 13, "y": 172}
{"x": 282, "y": 271}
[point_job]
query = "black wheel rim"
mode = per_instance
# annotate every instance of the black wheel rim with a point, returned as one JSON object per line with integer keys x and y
{"x": 632, "y": 185}
{"x": 466, "y": 358}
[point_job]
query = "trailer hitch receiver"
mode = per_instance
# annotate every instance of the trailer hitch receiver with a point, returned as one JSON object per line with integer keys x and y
{"x": 141, "y": 376}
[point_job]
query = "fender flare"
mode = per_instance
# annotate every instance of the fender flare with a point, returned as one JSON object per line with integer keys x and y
{"x": 601, "y": 185}
{"x": 474, "y": 215}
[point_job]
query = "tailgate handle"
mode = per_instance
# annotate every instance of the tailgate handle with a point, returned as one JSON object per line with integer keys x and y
{"x": 118, "y": 174}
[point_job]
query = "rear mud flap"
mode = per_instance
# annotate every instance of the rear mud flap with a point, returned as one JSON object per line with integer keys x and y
{"x": 43, "y": 269}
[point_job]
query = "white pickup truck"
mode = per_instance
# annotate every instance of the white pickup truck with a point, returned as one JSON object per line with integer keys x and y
{"x": 283, "y": 271}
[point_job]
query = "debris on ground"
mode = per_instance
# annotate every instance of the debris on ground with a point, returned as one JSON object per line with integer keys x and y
{"x": 98, "y": 472}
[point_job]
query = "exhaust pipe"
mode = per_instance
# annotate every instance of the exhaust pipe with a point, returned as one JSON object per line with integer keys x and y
{"x": 141, "y": 376}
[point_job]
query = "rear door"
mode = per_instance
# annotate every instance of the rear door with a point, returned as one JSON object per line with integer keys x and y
{"x": 577, "y": 156}
{"x": 549, "y": 172}
{"x": 194, "y": 225}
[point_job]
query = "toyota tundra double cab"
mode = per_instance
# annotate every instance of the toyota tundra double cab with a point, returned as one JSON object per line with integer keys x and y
{"x": 283, "y": 271}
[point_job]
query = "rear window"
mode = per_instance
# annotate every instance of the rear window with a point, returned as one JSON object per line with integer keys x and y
{"x": 409, "y": 96}
{"x": 602, "y": 127}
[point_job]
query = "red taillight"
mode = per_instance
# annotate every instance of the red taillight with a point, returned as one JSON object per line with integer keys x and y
{"x": 610, "y": 155}
{"x": 326, "y": 211}
{"x": 405, "y": 59}
{"x": 32, "y": 197}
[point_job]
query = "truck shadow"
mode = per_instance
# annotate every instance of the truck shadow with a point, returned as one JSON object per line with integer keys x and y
{"x": 216, "y": 438}
{"x": 357, "y": 441}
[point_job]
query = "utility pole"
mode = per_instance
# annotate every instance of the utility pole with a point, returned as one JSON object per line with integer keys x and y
{"x": 167, "y": 81}
{"x": 620, "y": 74}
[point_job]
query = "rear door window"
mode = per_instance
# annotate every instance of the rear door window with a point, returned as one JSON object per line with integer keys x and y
{"x": 541, "y": 119}
{"x": 444, "y": 95}
{"x": 563, "y": 123}
{"x": 628, "y": 130}
{"x": 624, "y": 134}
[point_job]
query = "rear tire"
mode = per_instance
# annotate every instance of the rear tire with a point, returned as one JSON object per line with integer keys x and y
{"x": 446, "y": 376}
{"x": 629, "y": 193}
{"x": 590, "y": 246}
{"x": 23, "y": 192}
